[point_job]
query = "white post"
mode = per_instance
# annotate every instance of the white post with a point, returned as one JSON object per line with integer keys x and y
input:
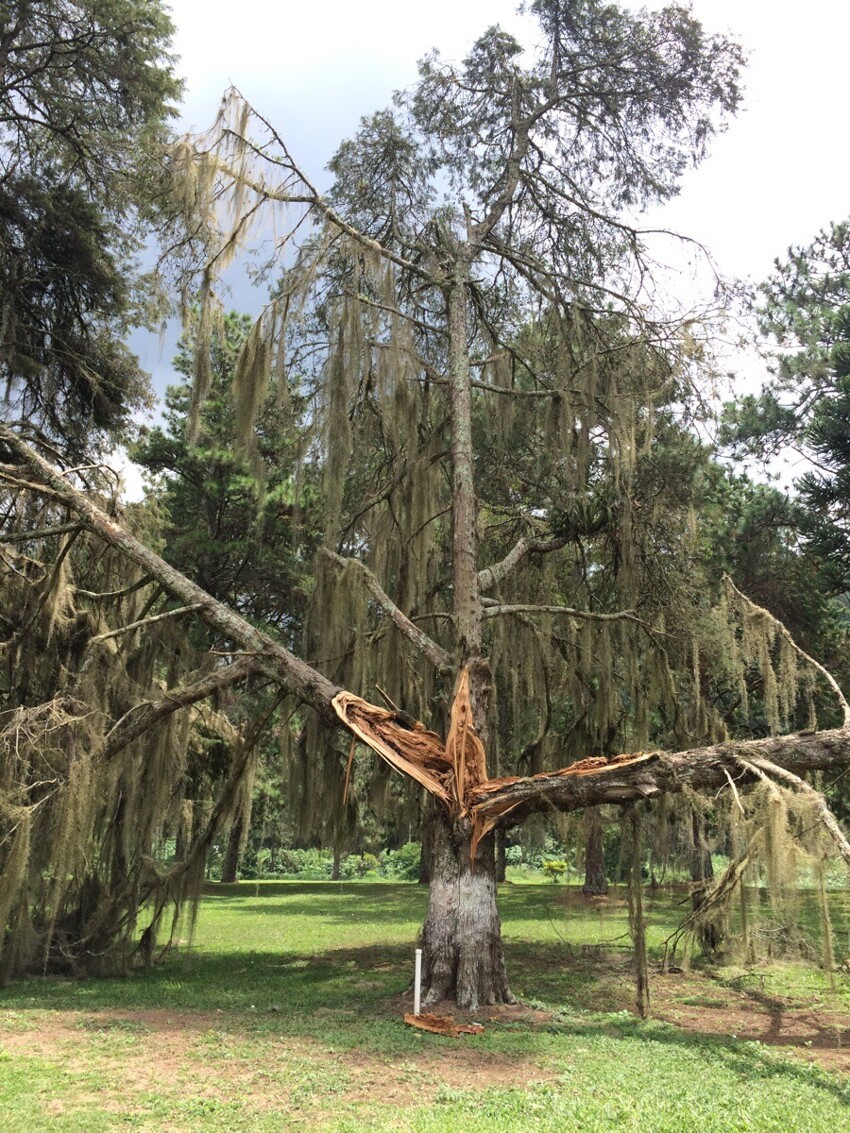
{"x": 417, "y": 982}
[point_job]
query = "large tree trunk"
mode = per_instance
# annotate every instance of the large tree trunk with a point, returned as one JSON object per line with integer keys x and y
{"x": 595, "y": 881}
{"x": 461, "y": 939}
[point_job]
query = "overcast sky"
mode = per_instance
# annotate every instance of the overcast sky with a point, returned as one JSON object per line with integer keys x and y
{"x": 780, "y": 172}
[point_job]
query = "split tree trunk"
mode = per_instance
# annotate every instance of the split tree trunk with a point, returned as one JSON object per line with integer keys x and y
{"x": 462, "y": 958}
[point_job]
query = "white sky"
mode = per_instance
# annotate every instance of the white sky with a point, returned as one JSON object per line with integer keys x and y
{"x": 780, "y": 172}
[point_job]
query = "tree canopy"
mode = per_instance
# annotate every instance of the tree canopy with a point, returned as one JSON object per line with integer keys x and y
{"x": 86, "y": 93}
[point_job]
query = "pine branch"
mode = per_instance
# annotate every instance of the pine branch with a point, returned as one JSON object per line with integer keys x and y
{"x": 440, "y": 658}
{"x": 143, "y": 716}
{"x": 492, "y": 575}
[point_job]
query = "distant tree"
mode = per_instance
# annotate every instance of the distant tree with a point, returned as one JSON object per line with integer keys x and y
{"x": 242, "y": 532}
{"x": 804, "y": 314}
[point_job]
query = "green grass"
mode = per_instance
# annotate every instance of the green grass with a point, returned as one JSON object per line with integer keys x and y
{"x": 286, "y": 1014}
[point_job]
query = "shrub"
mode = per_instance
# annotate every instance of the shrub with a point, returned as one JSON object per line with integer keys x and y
{"x": 402, "y": 864}
{"x": 554, "y": 869}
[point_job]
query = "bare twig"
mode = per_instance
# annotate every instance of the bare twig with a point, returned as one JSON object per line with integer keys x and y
{"x": 145, "y": 622}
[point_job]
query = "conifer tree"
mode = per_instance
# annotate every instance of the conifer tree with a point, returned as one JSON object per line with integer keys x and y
{"x": 488, "y": 393}
{"x": 86, "y": 95}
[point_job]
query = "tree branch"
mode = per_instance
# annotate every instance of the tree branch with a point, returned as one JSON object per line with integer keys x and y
{"x": 830, "y": 822}
{"x": 143, "y": 716}
{"x": 291, "y": 673}
{"x": 492, "y": 575}
{"x": 144, "y": 622}
{"x": 39, "y": 533}
{"x": 786, "y": 635}
{"x": 440, "y": 658}
{"x": 642, "y": 776}
{"x": 567, "y": 611}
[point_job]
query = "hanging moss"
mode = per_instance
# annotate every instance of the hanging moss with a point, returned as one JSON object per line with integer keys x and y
{"x": 82, "y": 833}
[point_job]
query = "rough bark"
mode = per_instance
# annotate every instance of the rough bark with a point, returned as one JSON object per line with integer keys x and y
{"x": 644, "y": 776}
{"x": 425, "y": 852}
{"x": 461, "y": 938}
{"x": 595, "y": 880}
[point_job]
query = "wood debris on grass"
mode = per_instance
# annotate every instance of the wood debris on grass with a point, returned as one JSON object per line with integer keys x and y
{"x": 443, "y": 1025}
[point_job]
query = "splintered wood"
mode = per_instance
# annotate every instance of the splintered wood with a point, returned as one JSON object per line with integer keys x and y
{"x": 443, "y": 1025}
{"x": 450, "y": 771}
{"x": 406, "y": 745}
{"x": 456, "y": 771}
{"x": 463, "y": 747}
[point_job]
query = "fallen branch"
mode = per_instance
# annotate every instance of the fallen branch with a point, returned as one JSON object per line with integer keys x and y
{"x": 648, "y": 775}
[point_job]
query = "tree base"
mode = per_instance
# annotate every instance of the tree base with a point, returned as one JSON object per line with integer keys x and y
{"x": 462, "y": 956}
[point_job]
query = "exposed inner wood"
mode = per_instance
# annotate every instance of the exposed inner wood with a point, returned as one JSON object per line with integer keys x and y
{"x": 454, "y": 771}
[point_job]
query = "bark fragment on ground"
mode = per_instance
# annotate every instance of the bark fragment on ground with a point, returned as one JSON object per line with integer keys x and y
{"x": 443, "y": 1025}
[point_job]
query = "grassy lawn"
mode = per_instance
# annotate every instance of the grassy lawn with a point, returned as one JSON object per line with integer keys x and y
{"x": 286, "y": 1014}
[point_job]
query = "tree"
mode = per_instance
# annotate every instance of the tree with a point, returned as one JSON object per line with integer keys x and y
{"x": 243, "y": 537}
{"x": 472, "y": 254}
{"x": 800, "y": 316}
{"x": 85, "y": 96}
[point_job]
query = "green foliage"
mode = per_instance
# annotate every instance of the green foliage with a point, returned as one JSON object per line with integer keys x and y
{"x": 402, "y": 864}
{"x": 316, "y": 865}
{"x": 805, "y": 316}
{"x": 246, "y": 541}
{"x": 554, "y": 869}
{"x": 87, "y": 92}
